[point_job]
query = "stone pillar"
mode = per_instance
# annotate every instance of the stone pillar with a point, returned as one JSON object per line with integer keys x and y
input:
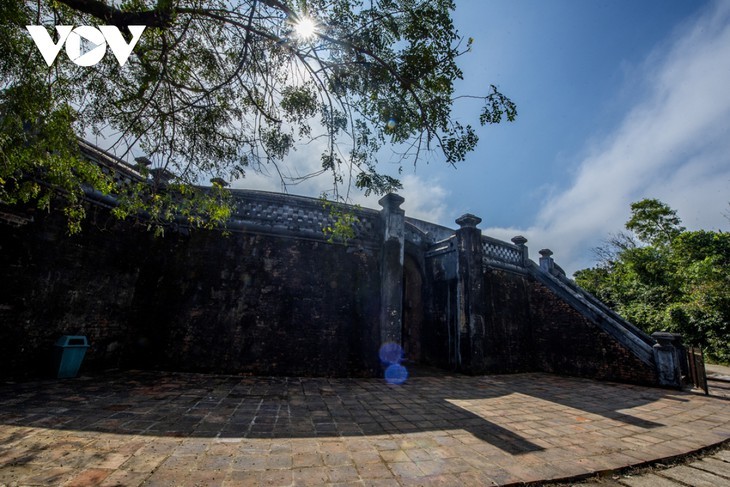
{"x": 391, "y": 269}
{"x": 520, "y": 241}
{"x": 470, "y": 294}
{"x": 668, "y": 361}
{"x": 546, "y": 261}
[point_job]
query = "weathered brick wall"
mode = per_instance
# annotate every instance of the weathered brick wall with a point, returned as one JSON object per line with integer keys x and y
{"x": 507, "y": 338}
{"x": 52, "y": 284}
{"x": 248, "y": 302}
{"x": 259, "y": 304}
{"x": 565, "y": 342}
{"x": 438, "y": 346}
{"x": 529, "y": 328}
{"x": 274, "y": 298}
{"x": 508, "y": 345}
{"x": 440, "y": 337}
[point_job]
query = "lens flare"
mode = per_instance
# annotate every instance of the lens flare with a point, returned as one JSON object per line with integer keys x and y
{"x": 305, "y": 28}
{"x": 396, "y": 374}
{"x": 391, "y": 354}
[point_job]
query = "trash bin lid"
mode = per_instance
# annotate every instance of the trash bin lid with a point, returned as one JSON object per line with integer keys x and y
{"x": 72, "y": 341}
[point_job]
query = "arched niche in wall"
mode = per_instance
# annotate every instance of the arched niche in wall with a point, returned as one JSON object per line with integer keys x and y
{"x": 413, "y": 308}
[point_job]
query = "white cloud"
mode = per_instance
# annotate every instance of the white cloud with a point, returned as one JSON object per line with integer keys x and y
{"x": 424, "y": 198}
{"x": 300, "y": 162}
{"x": 673, "y": 145}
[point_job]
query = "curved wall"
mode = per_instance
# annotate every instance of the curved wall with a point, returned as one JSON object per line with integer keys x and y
{"x": 274, "y": 297}
{"x": 250, "y": 302}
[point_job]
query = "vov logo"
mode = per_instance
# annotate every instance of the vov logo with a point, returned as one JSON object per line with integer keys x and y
{"x": 99, "y": 37}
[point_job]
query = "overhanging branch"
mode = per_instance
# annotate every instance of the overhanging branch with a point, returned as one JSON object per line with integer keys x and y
{"x": 114, "y": 16}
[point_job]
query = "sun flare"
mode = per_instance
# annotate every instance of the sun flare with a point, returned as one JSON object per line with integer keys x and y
{"x": 305, "y": 28}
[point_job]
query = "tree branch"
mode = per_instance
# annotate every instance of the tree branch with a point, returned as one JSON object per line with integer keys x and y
{"x": 114, "y": 16}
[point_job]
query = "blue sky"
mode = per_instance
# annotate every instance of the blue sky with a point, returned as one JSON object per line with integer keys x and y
{"x": 618, "y": 100}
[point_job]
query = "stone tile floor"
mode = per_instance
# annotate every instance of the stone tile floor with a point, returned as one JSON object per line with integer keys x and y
{"x": 166, "y": 429}
{"x": 707, "y": 468}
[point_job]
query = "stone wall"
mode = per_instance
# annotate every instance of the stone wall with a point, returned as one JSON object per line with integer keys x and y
{"x": 566, "y": 342}
{"x": 440, "y": 345}
{"x": 274, "y": 297}
{"x": 52, "y": 284}
{"x": 492, "y": 310}
{"x": 509, "y": 322}
{"x": 253, "y": 303}
{"x": 527, "y": 327}
{"x": 247, "y": 302}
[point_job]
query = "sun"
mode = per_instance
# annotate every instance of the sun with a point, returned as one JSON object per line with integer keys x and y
{"x": 305, "y": 28}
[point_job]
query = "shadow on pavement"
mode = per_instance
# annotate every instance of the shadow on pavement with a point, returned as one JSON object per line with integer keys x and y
{"x": 197, "y": 405}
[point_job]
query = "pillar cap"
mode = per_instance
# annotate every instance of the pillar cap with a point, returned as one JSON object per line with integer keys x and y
{"x": 468, "y": 221}
{"x": 220, "y": 182}
{"x": 666, "y": 338}
{"x": 519, "y": 240}
{"x": 391, "y": 201}
{"x": 161, "y": 175}
{"x": 545, "y": 253}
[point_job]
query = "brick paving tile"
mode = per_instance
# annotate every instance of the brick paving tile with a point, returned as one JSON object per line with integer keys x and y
{"x": 213, "y": 463}
{"x": 241, "y": 479}
{"x": 276, "y": 478}
{"x": 714, "y": 466}
{"x": 493, "y": 476}
{"x": 124, "y": 478}
{"x": 307, "y": 459}
{"x": 574, "y": 468}
{"x": 393, "y": 456}
{"x": 431, "y": 480}
{"x": 602, "y": 483}
{"x": 380, "y": 483}
{"x": 249, "y": 462}
{"x": 364, "y": 457}
{"x": 374, "y": 471}
{"x": 458, "y": 465}
{"x": 648, "y": 480}
{"x": 90, "y": 477}
{"x": 723, "y": 455}
{"x": 418, "y": 455}
{"x": 435, "y": 467}
{"x": 109, "y": 460}
{"x": 278, "y": 461}
{"x": 204, "y": 479}
{"x": 343, "y": 473}
{"x": 164, "y": 479}
{"x": 694, "y": 477}
{"x": 49, "y": 476}
{"x": 310, "y": 476}
{"x": 405, "y": 470}
{"x": 641, "y": 455}
{"x": 153, "y": 428}
{"x": 532, "y": 473}
{"x": 143, "y": 463}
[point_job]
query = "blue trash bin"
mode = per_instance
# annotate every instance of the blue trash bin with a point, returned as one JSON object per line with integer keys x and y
{"x": 70, "y": 351}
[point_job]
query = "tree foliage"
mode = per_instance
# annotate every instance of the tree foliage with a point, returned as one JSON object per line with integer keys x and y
{"x": 217, "y": 88}
{"x": 654, "y": 222}
{"x": 668, "y": 278}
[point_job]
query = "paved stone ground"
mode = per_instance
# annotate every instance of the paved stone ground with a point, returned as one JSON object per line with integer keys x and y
{"x": 163, "y": 429}
{"x": 711, "y": 470}
{"x": 703, "y": 469}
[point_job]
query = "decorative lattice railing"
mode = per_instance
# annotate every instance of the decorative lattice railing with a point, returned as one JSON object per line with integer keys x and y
{"x": 296, "y": 215}
{"x": 501, "y": 252}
